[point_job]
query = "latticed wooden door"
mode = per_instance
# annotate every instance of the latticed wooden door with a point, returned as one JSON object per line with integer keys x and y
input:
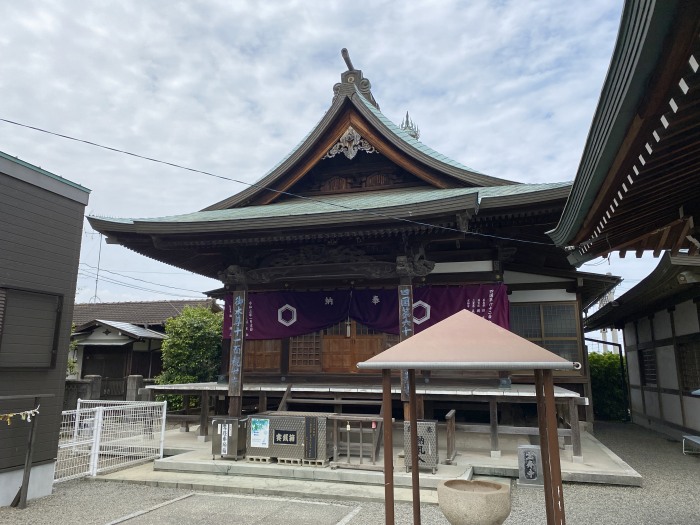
{"x": 348, "y": 343}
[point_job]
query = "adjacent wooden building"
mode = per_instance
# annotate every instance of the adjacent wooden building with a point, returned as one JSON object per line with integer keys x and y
{"x": 660, "y": 319}
{"x": 115, "y": 340}
{"x": 41, "y": 225}
{"x": 316, "y": 255}
{"x": 637, "y": 190}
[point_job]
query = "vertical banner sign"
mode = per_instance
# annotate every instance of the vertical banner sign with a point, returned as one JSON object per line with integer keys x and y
{"x": 405, "y": 328}
{"x": 235, "y": 374}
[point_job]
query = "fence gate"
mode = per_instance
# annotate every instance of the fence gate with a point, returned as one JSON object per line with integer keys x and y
{"x": 113, "y": 389}
{"x": 105, "y": 435}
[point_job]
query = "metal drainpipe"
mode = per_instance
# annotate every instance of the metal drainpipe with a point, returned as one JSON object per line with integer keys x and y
{"x": 623, "y": 373}
{"x": 150, "y": 354}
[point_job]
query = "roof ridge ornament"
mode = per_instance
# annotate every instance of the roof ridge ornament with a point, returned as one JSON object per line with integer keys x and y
{"x": 352, "y": 79}
{"x": 349, "y": 144}
{"x": 409, "y": 127}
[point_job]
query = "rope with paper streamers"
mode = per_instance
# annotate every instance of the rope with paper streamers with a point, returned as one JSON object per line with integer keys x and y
{"x": 25, "y": 415}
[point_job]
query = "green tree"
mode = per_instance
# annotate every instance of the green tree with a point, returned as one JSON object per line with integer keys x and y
{"x": 609, "y": 399}
{"x": 192, "y": 351}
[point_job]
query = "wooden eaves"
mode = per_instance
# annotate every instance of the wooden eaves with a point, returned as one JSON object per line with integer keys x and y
{"x": 638, "y": 184}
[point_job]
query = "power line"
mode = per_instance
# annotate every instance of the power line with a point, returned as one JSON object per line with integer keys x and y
{"x": 160, "y": 273}
{"x": 280, "y": 192}
{"x": 89, "y": 275}
{"x": 137, "y": 279}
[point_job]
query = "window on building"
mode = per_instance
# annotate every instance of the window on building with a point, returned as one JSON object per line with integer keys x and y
{"x": 689, "y": 357}
{"x": 647, "y": 366}
{"x": 554, "y": 326}
{"x": 29, "y": 325}
{"x": 305, "y": 351}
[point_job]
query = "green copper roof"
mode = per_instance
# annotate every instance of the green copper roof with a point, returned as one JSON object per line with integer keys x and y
{"x": 403, "y": 135}
{"x": 345, "y": 202}
{"x": 352, "y": 93}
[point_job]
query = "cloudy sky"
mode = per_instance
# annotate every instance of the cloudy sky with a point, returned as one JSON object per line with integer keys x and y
{"x": 506, "y": 87}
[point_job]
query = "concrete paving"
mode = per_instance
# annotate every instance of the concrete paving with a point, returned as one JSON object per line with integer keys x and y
{"x": 668, "y": 496}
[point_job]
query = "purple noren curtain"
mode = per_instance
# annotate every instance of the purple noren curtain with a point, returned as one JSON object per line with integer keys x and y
{"x": 278, "y": 315}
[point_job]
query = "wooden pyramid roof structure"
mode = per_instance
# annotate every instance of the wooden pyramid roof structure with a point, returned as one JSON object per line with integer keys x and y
{"x": 466, "y": 341}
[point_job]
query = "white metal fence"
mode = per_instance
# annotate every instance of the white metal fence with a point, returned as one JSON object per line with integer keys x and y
{"x": 105, "y": 435}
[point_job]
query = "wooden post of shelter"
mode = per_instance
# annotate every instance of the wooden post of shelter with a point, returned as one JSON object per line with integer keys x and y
{"x": 388, "y": 449}
{"x": 549, "y": 445}
{"x": 415, "y": 479}
{"x": 444, "y": 346}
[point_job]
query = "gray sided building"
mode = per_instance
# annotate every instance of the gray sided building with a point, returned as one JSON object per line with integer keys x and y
{"x": 41, "y": 220}
{"x": 661, "y": 322}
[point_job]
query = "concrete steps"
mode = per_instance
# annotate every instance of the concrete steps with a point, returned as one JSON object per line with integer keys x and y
{"x": 194, "y": 462}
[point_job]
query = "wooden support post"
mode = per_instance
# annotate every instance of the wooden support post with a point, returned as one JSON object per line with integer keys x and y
{"x": 575, "y": 431}
{"x": 262, "y": 401}
{"x": 420, "y": 407}
{"x": 20, "y": 499}
{"x": 235, "y": 376}
{"x": 493, "y": 419}
{"x": 549, "y": 445}
{"x": 335, "y": 440}
{"x": 337, "y": 407}
{"x": 388, "y": 449}
{"x": 415, "y": 479}
{"x": 428, "y": 409}
{"x": 184, "y": 424}
{"x": 204, "y": 415}
{"x": 235, "y": 406}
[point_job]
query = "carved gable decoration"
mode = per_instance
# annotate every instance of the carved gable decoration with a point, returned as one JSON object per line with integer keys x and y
{"x": 349, "y": 144}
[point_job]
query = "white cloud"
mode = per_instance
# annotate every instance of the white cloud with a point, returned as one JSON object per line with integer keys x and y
{"x": 507, "y": 88}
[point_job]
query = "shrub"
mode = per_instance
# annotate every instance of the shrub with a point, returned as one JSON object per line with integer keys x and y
{"x": 609, "y": 398}
{"x": 192, "y": 351}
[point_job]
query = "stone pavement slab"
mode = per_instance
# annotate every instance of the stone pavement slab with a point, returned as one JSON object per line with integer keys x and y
{"x": 249, "y": 510}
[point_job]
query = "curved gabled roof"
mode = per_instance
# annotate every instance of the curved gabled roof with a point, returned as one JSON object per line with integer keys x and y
{"x": 340, "y": 209}
{"x": 353, "y": 96}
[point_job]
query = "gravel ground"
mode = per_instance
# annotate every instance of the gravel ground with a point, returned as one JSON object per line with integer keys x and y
{"x": 669, "y": 497}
